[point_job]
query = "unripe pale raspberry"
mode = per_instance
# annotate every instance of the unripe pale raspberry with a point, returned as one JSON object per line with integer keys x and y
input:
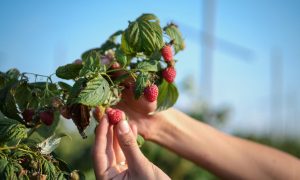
{"x": 169, "y": 74}
{"x": 151, "y": 93}
{"x": 98, "y": 113}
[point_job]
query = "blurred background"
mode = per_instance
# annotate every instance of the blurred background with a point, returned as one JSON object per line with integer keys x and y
{"x": 241, "y": 62}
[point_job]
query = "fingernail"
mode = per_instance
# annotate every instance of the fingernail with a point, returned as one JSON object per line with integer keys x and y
{"x": 123, "y": 127}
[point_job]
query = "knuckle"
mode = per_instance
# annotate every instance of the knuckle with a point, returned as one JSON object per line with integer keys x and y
{"x": 128, "y": 141}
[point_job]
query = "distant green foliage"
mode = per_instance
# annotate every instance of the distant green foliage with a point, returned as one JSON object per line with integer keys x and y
{"x": 288, "y": 145}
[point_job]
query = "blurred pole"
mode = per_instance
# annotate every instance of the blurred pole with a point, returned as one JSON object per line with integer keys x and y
{"x": 208, "y": 49}
{"x": 277, "y": 123}
{"x": 292, "y": 114}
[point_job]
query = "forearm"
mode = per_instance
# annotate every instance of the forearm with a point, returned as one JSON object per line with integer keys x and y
{"x": 224, "y": 155}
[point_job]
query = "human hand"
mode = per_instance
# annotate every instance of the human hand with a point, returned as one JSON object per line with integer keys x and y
{"x": 138, "y": 111}
{"x": 116, "y": 154}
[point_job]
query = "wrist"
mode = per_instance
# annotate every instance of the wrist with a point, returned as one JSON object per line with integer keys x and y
{"x": 165, "y": 127}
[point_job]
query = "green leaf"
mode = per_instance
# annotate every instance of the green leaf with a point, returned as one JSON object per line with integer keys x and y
{"x": 13, "y": 74}
{"x": 91, "y": 65}
{"x": 75, "y": 90}
{"x": 69, "y": 71}
{"x": 143, "y": 35}
{"x": 125, "y": 46}
{"x": 64, "y": 86}
{"x": 141, "y": 83}
{"x": 121, "y": 78}
{"x": 173, "y": 32}
{"x": 111, "y": 42}
{"x": 121, "y": 57}
{"x": 63, "y": 166}
{"x": 8, "y": 106}
{"x": 46, "y": 131}
{"x": 2, "y": 80}
{"x": 87, "y": 53}
{"x": 61, "y": 176}
{"x": 95, "y": 92}
{"x": 3, "y": 163}
{"x": 114, "y": 96}
{"x": 11, "y": 130}
{"x": 22, "y": 96}
{"x": 167, "y": 95}
{"x": 49, "y": 169}
{"x": 148, "y": 17}
{"x": 140, "y": 140}
{"x": 148, "y": 66}
{"x": 34, "y": 102}
{"x": 10, "y": 171}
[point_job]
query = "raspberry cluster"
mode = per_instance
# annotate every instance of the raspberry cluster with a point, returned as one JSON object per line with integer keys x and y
{"x": 169, "y": 73}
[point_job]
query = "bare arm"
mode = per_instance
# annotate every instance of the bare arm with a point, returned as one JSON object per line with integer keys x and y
{"x": 224, "y": 155}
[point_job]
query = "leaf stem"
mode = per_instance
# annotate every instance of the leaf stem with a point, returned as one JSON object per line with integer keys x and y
{"x": 11, "y": 147}
{"x": 31, "y": 131}
{"x": 108, "y": 78}
{"x": 115, "y": 70}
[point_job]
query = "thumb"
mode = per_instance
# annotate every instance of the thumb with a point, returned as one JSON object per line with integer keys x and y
{"x": 129, "y": 146}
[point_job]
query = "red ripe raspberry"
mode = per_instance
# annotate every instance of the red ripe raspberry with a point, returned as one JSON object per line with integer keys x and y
{"x": 166, "y": 52}
{"x": 28, "y": 115}
{"x": 47, "y": 117}
{"x": 151, "y": 93}
{"x": 169, "y": 74}
{"x": 114, "y": 116}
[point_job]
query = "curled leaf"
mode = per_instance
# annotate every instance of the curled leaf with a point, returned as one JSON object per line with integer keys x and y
{"x": 81, "y": 117}
{"x": 49, "y": 144}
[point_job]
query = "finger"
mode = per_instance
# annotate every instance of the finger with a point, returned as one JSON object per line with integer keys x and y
{"x": 117, "y": 149}
{"x": 134, "y": 130}
{"x": 127, "y": 141}
{"x": 111, "y": 173}
{"x": 120, "y": 158}
{"x": 99, "y": 150}
{"x": 109, "y": 147}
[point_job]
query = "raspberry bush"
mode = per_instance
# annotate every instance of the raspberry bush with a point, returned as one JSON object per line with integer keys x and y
{"x": 31, "y": 108}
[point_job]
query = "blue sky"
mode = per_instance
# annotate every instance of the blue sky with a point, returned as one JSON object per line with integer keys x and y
{"x": 38, "y": 36}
